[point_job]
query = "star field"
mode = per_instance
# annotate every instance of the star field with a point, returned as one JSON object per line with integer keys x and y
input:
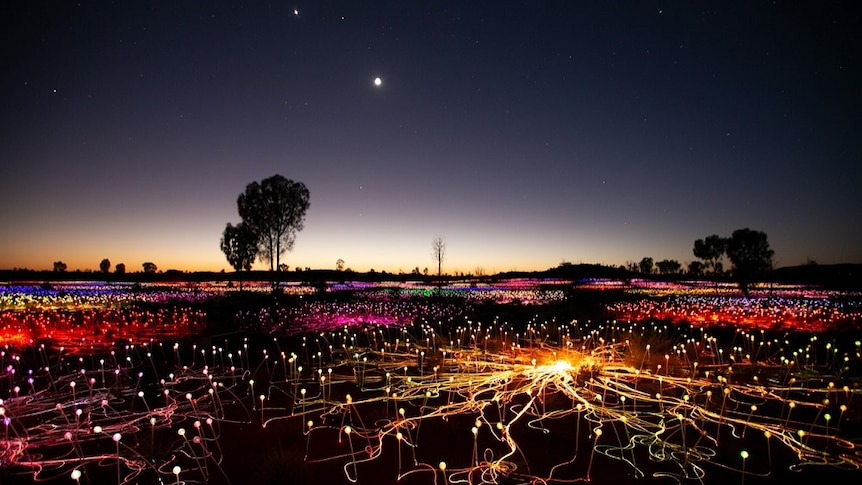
{"x": 526, "y": 134}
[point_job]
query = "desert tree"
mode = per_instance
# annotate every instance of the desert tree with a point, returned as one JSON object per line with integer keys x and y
{"x": 60, "y": 267}
{"x": 751, "y": 256}
{"x": 105, "y": 266}
{"x": 438, "y": 253}
{"x": 668, "y": 266}
{"x": 274, "y": 210}
{"x": 645, "y": 266}
{"x": 695, "y": 268}
{"x": 149, "y": 267}
{"x": 710, "y": 250}
{"x": 239, "y": 245}
{"x": 339, "y": 264}
{"x": 120, "y": 268}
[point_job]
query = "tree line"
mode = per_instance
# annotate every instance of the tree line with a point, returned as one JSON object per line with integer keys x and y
{"x": 105, "y": 267}
{"x": 747, "y": 249}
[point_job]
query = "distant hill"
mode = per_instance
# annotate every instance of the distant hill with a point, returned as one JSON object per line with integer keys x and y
{"x": 573, "y": 272}
{"x": 839, "y": 276}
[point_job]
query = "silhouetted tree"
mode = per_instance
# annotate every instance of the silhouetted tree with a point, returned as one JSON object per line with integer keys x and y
{"x": 646, "y": 264}
{"x": 339, "y": 264}
{"x": 668, "y": 266}
{"x": 695, "y": 268}
{"x": 59, "y": 267}
{"x": 274, "y": 210}
{"x": 120, "y": 268}
{"x": 150, "y": 267}
{"x": 239, "y": 245}
{"x": 105, "y": 266}
{"x": 751, "y": 256}
{"x": 438, "y": 252}
{"x": 710, "y": 250}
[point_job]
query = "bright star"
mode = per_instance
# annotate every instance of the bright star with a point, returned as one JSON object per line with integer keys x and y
{"x": 378, "y": 81}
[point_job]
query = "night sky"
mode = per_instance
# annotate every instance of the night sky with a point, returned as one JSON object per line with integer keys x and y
{"x": 526, "y": 134}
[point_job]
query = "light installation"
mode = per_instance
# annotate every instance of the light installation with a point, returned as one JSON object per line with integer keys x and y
{"x": 439, "y": 398}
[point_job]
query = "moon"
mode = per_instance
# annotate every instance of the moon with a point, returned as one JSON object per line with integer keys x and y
{"x": 378, "y": 81}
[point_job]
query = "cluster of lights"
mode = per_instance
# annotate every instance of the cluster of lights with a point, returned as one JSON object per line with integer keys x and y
{"x": 654, "y": 288}
{"x": 88, "y": 332}
{"x": 76, "y": 416}
{"x": 315, "y": 316}
{"x": 780, "y": 313}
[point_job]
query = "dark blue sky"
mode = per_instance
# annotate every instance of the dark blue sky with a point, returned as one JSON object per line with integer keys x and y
{"x": 526, "y": 133}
